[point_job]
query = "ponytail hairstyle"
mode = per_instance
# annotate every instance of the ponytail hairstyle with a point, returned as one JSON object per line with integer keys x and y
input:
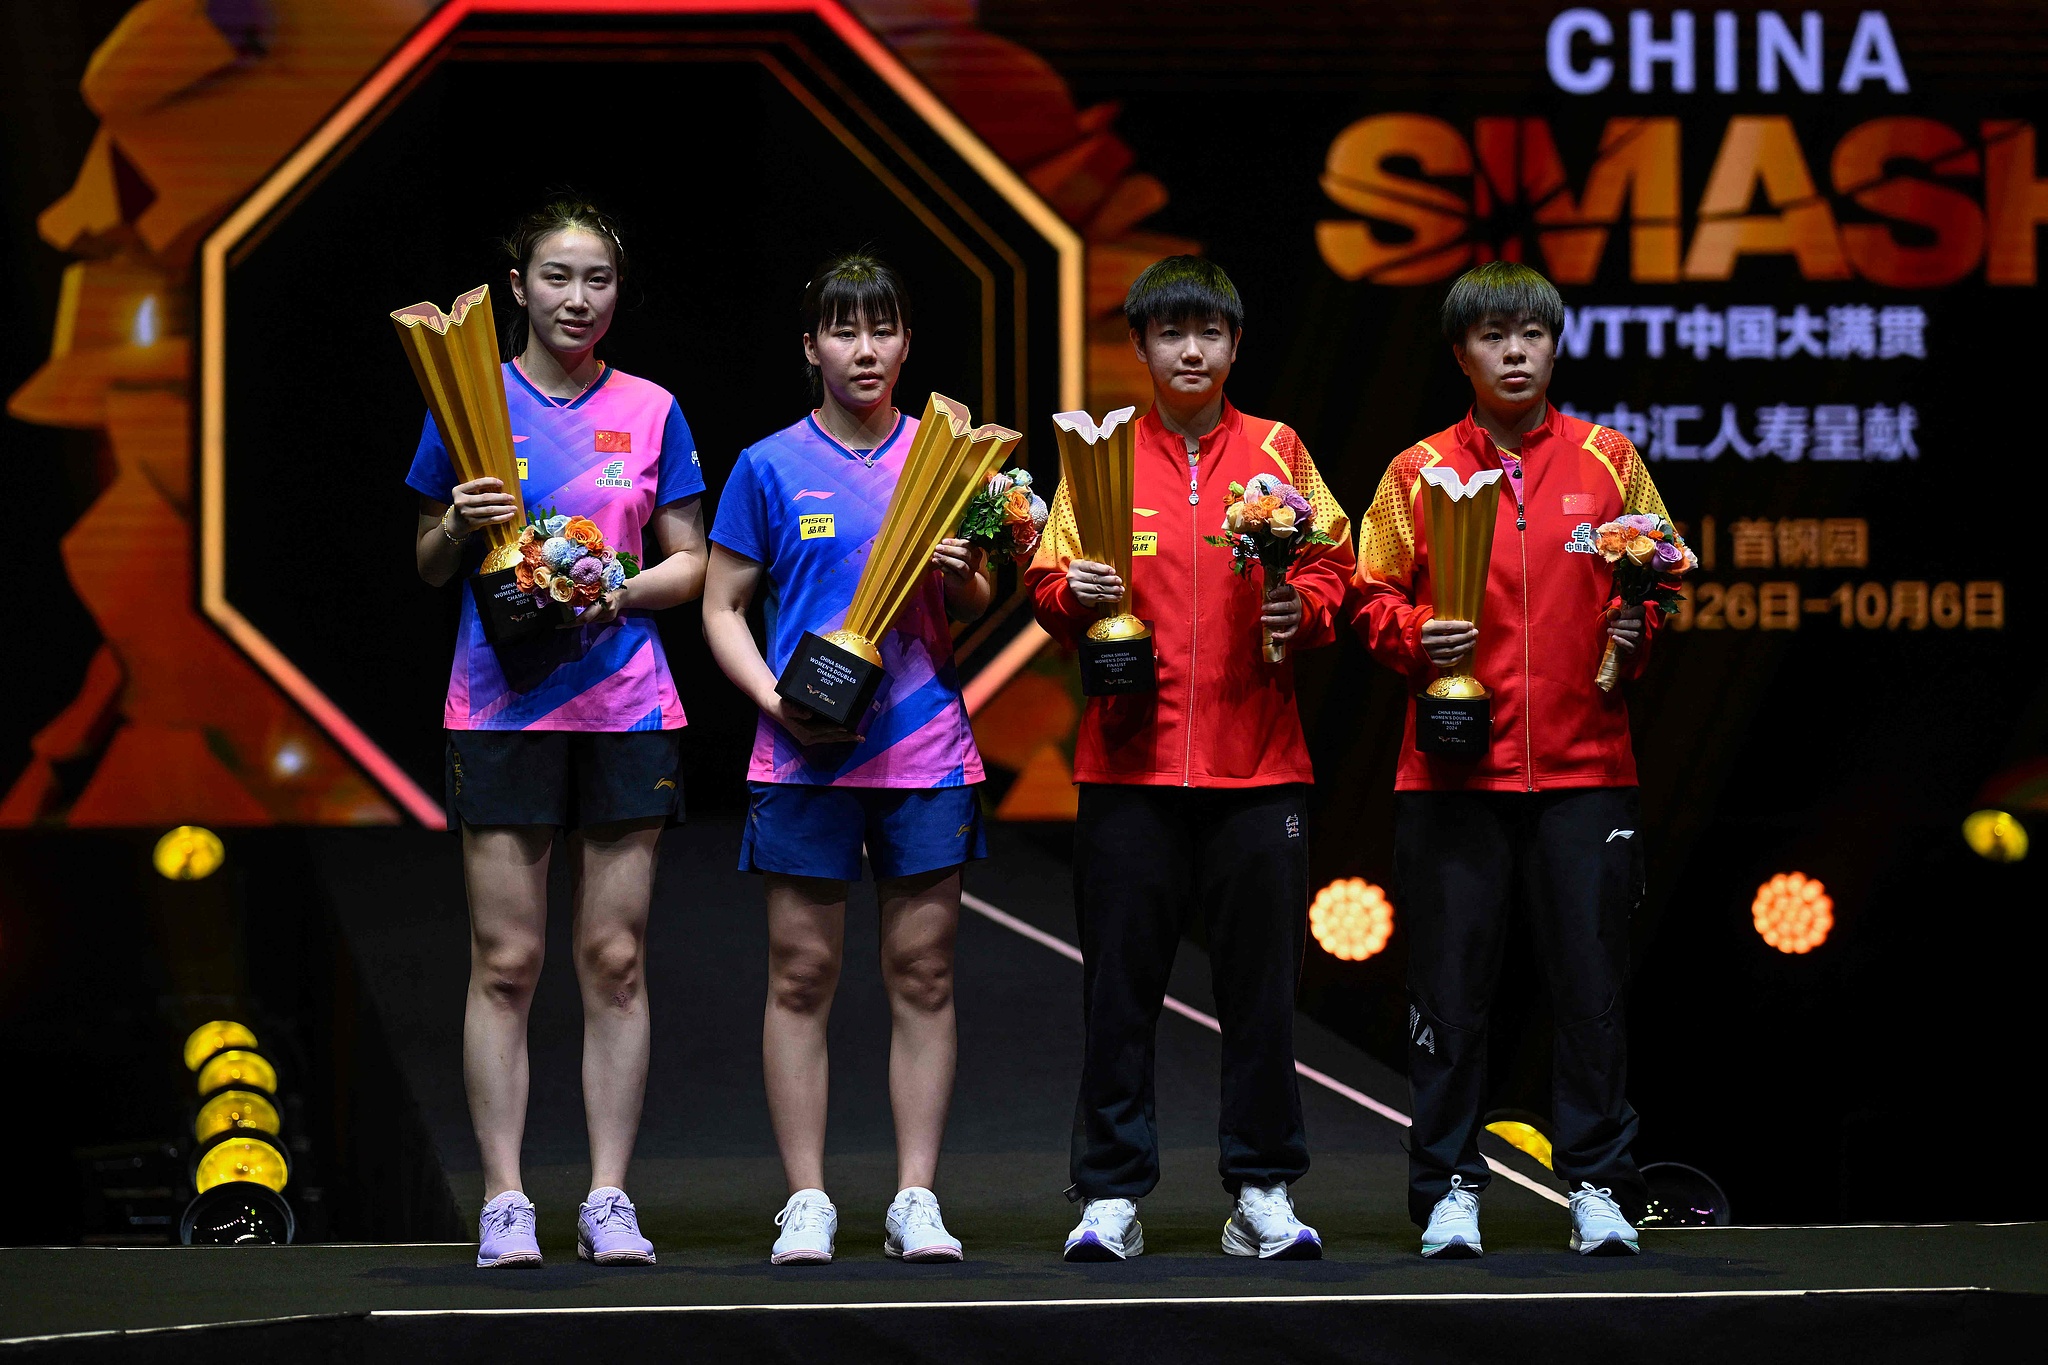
{"x": 568, "y": 213}
{"x": 858, "y": 286}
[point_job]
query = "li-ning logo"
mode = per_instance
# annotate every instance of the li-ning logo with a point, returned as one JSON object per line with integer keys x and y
{"x": 668, "y": 782}
{"x": 1581, "y": 542}
{"x": 1419, "y": 1033}
{"x": 1294, "y": 826}
{"x": 614, "y": 476}
{"x": 1614, "y": 834}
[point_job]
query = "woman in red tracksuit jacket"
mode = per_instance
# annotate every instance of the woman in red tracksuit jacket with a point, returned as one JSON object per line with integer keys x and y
{"x": 1551, "y": 809}
{"x": 1194, "y": 795}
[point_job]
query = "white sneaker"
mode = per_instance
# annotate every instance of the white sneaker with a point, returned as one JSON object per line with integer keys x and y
{"x": 809, "y": 1226}
{"x": 1598, "y": 1229}
{"x": 1109, "y": 1230}
{"x": 1453, "y": 1231}
{"x": 1263, "y": 1225}
{"x": 914, "y": 1231}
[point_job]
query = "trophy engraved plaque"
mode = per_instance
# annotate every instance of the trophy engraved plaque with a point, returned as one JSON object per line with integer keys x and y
{"x": 1454, "y": 714}
{"x": 454, "y": 356}
{"x": 835, "y": 675}
{"x": 1096, "y": 463}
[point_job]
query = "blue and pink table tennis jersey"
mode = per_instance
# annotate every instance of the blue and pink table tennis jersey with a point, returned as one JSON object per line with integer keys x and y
{"x": 808, "y": 508}
{"x": 613, "y": 455}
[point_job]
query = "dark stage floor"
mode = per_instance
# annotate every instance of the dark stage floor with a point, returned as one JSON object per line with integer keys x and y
{"x": 708, "y": 1185}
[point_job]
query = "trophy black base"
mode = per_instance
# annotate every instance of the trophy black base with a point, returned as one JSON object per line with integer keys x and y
{"x": 1460, "y": 727}
{"x": 828, "y": 681}
{"x": 1111, "y": 668}
{"x": 506, "y": 613}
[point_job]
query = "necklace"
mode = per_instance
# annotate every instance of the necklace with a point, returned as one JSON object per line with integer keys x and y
{"x": 866, "y": 457}
{"x": 561, "y": 402}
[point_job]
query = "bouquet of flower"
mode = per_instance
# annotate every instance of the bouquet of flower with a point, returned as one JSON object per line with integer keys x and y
{"x": 564, "y": 561}
{"x": 1268, "y": 522}
{"x": 1005, "y": 517}
{"x": 1648, "y": 556}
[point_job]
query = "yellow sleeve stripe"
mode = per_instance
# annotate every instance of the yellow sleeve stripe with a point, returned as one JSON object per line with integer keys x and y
{"x": 1601, "y": 455}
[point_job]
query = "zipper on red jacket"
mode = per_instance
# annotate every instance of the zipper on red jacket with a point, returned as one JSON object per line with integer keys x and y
{"x": 1528, "y": 693}
{"x": 1187, "y": 770}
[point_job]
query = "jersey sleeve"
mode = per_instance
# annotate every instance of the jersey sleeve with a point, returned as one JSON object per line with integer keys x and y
{"x": 1384, "y": 612}
{"x": 1052, "y": 602}
{"x": 678, "y": 475}
{"x": 432, "y": 474}
{"x": 742, "y": 523}
{"x": 1638, "y": 494}
{"x": 1321, "y": 574}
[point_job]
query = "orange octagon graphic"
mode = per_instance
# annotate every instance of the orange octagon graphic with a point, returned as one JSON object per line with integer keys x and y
{"x": 983, "y": 220}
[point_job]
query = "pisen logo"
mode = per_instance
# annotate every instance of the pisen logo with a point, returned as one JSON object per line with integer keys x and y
{"x": 816, "y": 526}
{"x": 522, "y": 465}
{"x": 1144, "y": 542}
{"x": 614, "y": 475}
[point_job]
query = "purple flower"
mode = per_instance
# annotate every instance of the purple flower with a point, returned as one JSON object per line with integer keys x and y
{"x": 1640, "y": 522}
{"x": 542, "y": 600}
{"x": 1668, "y": 554}
{"x": 588, "y": 569}
{"x": 1291, "y": 496}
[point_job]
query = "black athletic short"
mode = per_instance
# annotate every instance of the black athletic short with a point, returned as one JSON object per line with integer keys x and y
{"x": 569, "y": 778}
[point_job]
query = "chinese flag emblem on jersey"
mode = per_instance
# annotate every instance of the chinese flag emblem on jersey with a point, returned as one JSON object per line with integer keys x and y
{"x": 615, "y": 443}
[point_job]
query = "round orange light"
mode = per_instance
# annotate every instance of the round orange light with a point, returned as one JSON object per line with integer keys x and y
{"x": 1793, "y": 912}
{"x": 1351, "y": 919}
{"x": 243, "y": 1070}
{"x": 241, "y": 1158}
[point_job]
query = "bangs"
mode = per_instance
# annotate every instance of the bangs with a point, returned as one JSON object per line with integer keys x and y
{"x": 856, "y": 289}
{"x": 1182, "y": 289}
{"x": 1504, "y": 289}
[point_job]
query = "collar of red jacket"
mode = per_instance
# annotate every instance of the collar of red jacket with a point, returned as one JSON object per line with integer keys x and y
{"x": 1153, "y": 435}
{"x": 1474, "y": 440}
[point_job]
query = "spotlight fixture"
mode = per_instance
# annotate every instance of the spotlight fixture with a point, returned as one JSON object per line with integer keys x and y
{"x": 239, "y": 1167}
{"x": 1793, "y": 912}
{"x": 1351, "y": 918}
{"x": 189, "y": 853}
{"x": 1682, "y": 1196}
{"x": 1995, "y": 835}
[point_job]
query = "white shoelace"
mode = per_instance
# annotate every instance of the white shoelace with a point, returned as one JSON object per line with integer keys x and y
{"x": 805, "y": 1215}
{"x": 919, "y": 1209}
{"x": 1466, "y": 1200}
{"x": 1602, "y": 1200}
{"x": 1271, "y": 1203}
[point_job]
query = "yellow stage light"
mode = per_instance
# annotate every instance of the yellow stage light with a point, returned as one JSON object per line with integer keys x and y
{"x": 1351, "y": 919}
{"x": 1793, "y": 912}
{"x": 1524, "y": 1137}
{"x": 189, "y": 853}
{"x": 235, "y": 1109}
{"x": 1994, "y": 834}
{"x": 245, "y": 1070}
{"x": 241, "y": 1158}
{"x": 214, "y": 1037}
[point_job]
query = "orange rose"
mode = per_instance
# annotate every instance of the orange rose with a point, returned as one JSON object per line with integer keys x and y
{"x": 1613, "y": 541}
{"x": 529, "y": 551}
{"x": 529, "y": 536}
{"x": 586, "y": 593}
{"x": 562, "y": 587}
{"x": 584, "y": 532}
{"x": 522, "y": 574}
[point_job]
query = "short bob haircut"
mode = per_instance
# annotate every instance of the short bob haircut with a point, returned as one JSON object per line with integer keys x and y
{"x": 1503, "y": 289}
{"x": 856, "y": 287}
{"x": 1180, "y": 289}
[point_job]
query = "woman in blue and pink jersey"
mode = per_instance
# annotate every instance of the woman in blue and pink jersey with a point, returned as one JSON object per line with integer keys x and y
{"x": 572, "y": 733}
{"x": 797, "y": 518}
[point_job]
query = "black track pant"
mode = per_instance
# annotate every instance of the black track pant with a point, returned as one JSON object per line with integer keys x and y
{"x": 1573, "y": 860}
{"x": 1144, "y": 858}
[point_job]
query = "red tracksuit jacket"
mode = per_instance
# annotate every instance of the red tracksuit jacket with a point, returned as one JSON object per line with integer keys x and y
{"x": 1541, "y": 632}
{"x": 1222, "y": 717}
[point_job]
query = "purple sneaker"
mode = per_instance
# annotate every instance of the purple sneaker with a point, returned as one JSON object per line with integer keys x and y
{"x": 608, "y": 1230}
{"x": 505, "y": 1233}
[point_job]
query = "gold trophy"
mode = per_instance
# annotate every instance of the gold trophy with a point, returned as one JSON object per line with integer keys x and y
{"x": 1096, "y": 464}
{"x": 454, "y": 356}
{"x": 835, "y": 675}
{"x": 1454, "y": 714}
